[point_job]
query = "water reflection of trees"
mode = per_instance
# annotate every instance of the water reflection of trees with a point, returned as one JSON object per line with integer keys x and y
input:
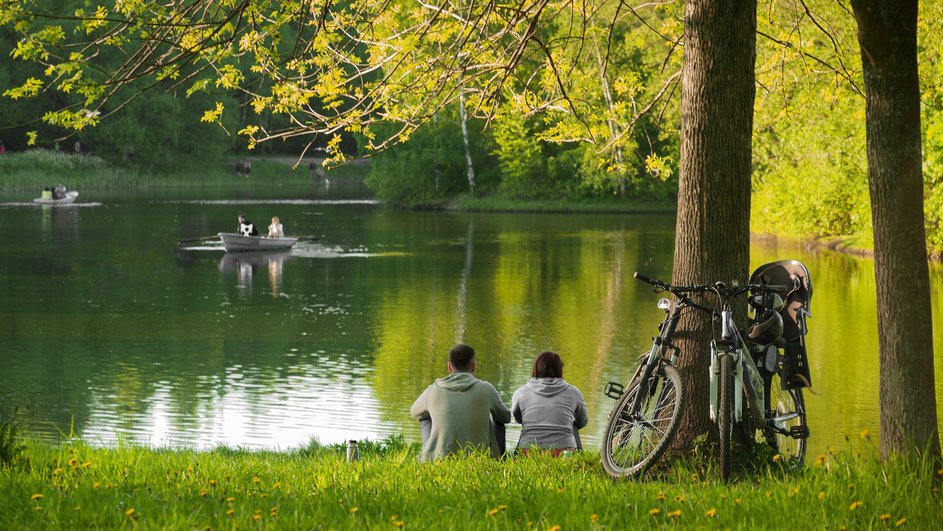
{"x": 512, "y": 293}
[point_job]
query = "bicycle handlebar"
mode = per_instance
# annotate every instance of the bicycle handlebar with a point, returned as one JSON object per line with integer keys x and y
{"x": 719, "y": 287}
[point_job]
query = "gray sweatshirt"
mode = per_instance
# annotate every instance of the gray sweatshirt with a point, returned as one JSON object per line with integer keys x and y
{"x": 461, "y": 408}
{"x": 549, "y": 409}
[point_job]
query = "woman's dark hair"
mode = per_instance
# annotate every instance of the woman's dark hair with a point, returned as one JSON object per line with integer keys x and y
{"x": 548, "y": 365}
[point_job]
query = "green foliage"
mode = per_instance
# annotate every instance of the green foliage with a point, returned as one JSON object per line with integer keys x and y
{"x": 10, "y": 444}
{"x": 430, "y": 167}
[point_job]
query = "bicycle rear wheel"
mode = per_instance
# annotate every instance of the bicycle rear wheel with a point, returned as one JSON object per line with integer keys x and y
{"x": 635, "y": 440}
{"x": 725, "y": 414}
{"x": 788, "y": 411}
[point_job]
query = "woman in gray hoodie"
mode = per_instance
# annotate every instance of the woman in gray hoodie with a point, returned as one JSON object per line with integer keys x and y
{"x": 549, "y": 409}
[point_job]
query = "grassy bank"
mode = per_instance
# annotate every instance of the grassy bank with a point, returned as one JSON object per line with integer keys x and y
{"x": 502, "y": 204}
{"x": 32, "y": 170}
{"x": 76, "y": 486}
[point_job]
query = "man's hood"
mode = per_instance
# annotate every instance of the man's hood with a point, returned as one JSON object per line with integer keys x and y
{"x": 546, "y": 386}
{"x": 457, "y": 381}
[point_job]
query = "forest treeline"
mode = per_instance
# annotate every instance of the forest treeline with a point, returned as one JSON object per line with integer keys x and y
{"x": 613, "y": 138}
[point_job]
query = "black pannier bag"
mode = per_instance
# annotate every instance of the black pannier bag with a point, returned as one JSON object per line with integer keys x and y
{"x": 795, "y": 311}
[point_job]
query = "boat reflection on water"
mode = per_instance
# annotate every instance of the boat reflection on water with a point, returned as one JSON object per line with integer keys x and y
{"x": 246, "y": 264}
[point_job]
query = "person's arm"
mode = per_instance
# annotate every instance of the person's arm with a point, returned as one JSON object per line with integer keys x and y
{"x": 580, "y": 414}
{"x": 499, "y": 412}
{"x": 419, "y": 410}
{"x": 516, "y": 407}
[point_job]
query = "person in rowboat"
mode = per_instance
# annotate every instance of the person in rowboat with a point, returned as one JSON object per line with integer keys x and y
{"x": 275, "y": 230}
{"x": 246, "y": 227}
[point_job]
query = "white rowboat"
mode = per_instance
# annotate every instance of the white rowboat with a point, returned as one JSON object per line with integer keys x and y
{"x": 238, "y": 243}
{"x": 69, "y": 197}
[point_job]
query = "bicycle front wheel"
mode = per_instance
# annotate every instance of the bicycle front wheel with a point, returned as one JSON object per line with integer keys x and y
{"x": 788, "y": 411}
{"x": 725, "y": 414}
{"x": 635, "y": 440}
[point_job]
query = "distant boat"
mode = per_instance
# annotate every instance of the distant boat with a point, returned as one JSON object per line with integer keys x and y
{"x": 238, "y": 243}
{"x": 69, "y": 197}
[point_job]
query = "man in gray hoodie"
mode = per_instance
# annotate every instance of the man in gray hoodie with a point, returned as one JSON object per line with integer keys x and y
{"x": 460, "y": 409}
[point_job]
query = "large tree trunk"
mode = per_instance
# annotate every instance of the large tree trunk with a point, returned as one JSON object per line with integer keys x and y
{"x": 713, "y": 227}
{"x": 887, "y": 33}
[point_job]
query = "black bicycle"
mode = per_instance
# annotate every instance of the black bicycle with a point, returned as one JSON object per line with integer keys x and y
{"x": 755, "y": 381}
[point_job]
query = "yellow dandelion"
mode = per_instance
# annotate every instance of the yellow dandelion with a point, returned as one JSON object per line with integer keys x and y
{"x": 900, "y": 522}
{"x": 654, "y": 511}
{"x": 257, "y": 516}
{"x": 230, "y": 499}
{"x": 230, "y": 512}
{"x": 660, "y": 497}
{"x": 492, "y": 512}
{"x": 77, "y": 508}
{"x": 190, "y": 469}
{"x": 399, "y": 523}
{"x": 37, "y": 508}
{"x": 73, "y": 462}
{"x": 277, "y": 485}
{"x": 885, "y": 517}
{"x": 203, "y": 493}
{"x": 736, "y": 501}
{"x": 820, "y": 460}
{"x": 793, "y": 491}
{"x": 822, "y": 495}
{"x": 353, "y": 510}
{"x": 711, "y": 513}
{"x": 263, "y": 495}
{"x": 56, "y": 472}
{"x": 674, "y": 514}
{"x": 769, "y": 494}
{"x": 594, "y": 518}
{"x": 865, "y": 433}
{"x": 777, "y": 458}
{"x": 212, "y": 483}
{"x": 96, "y": 485}
{"x": 255, "y": 479}
{"x": 502, "y": 507}
{"x": 554, "y": 528}
{"x": 679, "y": 498}
{"x": 86, "y": 464}
{"x": 855, "y": 504}
{"x": 36, "y": 496}
{"x": 130, "y": 512}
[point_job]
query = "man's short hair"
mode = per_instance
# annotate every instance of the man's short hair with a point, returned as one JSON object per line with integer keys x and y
{"x": 461, "y": 357}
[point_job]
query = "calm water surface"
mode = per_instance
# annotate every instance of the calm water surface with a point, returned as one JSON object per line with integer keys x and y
{"x": 109, "y": 330}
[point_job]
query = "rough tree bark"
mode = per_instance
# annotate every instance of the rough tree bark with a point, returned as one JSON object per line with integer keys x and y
{"x": 887, "y": 34}
{"x": 713, "y": 226}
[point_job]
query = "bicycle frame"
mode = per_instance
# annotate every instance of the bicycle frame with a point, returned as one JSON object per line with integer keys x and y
{"x": 745, "y": 372}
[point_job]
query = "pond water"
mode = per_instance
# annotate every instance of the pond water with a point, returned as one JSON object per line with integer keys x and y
{"x": 111, "y": 331}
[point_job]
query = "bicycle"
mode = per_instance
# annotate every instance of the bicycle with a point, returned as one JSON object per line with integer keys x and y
{"x": 646, "y": 417}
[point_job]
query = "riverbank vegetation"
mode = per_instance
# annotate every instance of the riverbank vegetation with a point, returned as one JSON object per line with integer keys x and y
{"x": 600, "y": 134}
{"x": 34, "y": 169}
{"x": 71, "y": 486}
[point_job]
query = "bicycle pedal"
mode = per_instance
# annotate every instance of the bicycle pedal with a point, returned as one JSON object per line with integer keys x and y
{"x": 614, "y": 390}
{"x": 799, "y": 432}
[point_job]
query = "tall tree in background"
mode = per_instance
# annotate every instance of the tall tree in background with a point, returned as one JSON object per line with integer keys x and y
{"x": 713, "y": 227}
{"x": 887, "y": 33}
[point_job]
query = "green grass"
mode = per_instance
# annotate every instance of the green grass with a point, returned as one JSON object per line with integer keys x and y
{"x": 34, "y": 169}
{"x": 77, "y": 486}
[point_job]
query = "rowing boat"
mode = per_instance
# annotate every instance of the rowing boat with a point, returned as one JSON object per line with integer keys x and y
{"x": 237, "y": 242}
{"x": 68, "y": 198}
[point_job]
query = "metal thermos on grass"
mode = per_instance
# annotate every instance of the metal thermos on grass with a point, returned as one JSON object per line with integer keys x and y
{"x": 353, "y": 452}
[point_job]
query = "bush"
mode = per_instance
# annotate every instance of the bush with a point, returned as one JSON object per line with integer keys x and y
{"x": 10, "y": 445}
